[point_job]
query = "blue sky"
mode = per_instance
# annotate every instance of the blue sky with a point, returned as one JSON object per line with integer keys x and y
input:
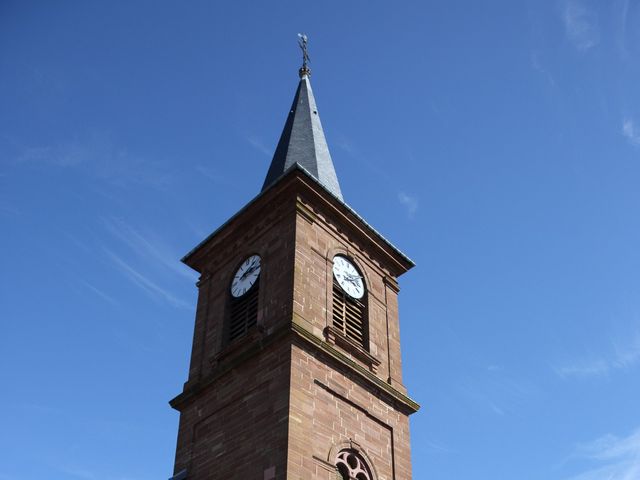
{"x": 496, "y": 143}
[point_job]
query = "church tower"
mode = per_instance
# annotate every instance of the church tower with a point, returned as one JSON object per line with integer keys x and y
{"x": 295, "y": 367}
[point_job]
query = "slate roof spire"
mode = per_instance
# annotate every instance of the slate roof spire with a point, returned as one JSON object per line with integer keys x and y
{"x": 302, "y": 142}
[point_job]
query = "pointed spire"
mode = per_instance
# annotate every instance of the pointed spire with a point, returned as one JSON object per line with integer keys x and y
{"x": 302, "y": 141}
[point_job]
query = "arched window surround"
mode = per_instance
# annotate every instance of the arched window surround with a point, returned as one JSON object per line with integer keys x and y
{"x": 335, "y": 335}
{"x": 250, "y": 303}
{"x": 350, "y": 445}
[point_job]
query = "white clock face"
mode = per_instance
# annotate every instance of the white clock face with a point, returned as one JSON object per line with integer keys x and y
{"x": 348, "y": 276}
{"x": 246, "y": 276}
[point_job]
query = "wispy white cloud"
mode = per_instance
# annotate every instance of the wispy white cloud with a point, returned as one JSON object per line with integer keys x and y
{"x": 631, "y": 131}
{"x": 409, "y": 202}
{"x": 614, "y": 458}
{"x": 582, "y": 368}
{"x": 482, "y": 396}
{"x": 77, "y": 472}
{"x": 216, "y": 175}
{"x": 148, "y": 246}
{"x": 100, "y": 158}
{"x": 146, "y": 284}
{"x": 100, "y": 293}
{"x": 197, "y": 228}
{"x": 346, "y": 145}
{"x": 537, "y": 65}
{"x": 9, "y": 210}
{"x": 436, "y": 446}
{"x": 83, "y": 473}
{"x": 622, "y": 355}
{"x": 351, "y": 149}
{"x": 581, "y": 25}
{"x": 81, "y": 244}
{"x": 496, "y": 409}
{"x": 497, "y": 392}
{"x": 621, "y": 31}
{"x": 256, "y": 143}
{"x": 210, "y": 173}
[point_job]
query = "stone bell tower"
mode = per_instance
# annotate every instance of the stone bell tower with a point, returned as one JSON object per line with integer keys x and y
{"x": 295, "y": 367}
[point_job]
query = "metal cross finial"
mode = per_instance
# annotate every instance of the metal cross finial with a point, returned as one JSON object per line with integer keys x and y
{"x": 302, "y": 43}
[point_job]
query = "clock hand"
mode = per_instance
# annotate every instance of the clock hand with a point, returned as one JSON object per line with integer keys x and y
{"x": 249, "y": 271}
{"x": 252, "y": 269}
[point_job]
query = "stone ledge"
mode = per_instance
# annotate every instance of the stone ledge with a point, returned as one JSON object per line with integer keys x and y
{"x": 322, "y": 463}
{"x": 237, "y": 347}
{"x": 392, "y": 283}
{"x": 305, "y": 212}
{"x": 336, "y": 337}
{"x": 406, "y": 404}
{"x": 240, "y": 356}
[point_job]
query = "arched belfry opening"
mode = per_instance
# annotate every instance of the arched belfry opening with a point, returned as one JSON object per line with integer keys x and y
{"x": 349, "y": 308}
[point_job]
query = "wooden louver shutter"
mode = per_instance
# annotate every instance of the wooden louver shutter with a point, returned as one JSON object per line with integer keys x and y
{"x": 348, "y": 315}
{"x": 244, "y": 313}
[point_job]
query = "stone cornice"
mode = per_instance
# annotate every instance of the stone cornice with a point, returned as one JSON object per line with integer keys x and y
{"x": 293, "y": 182}
{"x": 406, "y": 404}
{"x": 295, "y": 331}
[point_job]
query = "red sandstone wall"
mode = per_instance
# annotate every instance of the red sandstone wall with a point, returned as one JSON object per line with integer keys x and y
{"x": 238, "y": 428}
{"x": 329, "y": 404}
{"x": 268, "y": 231}
{"x": 318, "y": 240}
{"x": 329, "y": 407}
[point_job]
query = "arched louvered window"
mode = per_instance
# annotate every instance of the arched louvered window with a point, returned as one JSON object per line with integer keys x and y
{"x": 349, "y": 301}
{"x": 348, "y": 315}
{"x": 244, "y": 313}
{"x": 243, "y": 308}
{"x": 352, "y": 465}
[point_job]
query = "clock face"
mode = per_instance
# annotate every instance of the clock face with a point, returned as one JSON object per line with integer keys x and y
{"x": 348, "y": 277}
{"x": 246, "y": 276}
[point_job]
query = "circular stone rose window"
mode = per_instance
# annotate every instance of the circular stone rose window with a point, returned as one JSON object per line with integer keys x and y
{"x": 352, "y": 466}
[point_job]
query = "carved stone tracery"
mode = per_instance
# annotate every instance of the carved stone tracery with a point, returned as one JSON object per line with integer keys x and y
{"x": 352, "y": 466}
